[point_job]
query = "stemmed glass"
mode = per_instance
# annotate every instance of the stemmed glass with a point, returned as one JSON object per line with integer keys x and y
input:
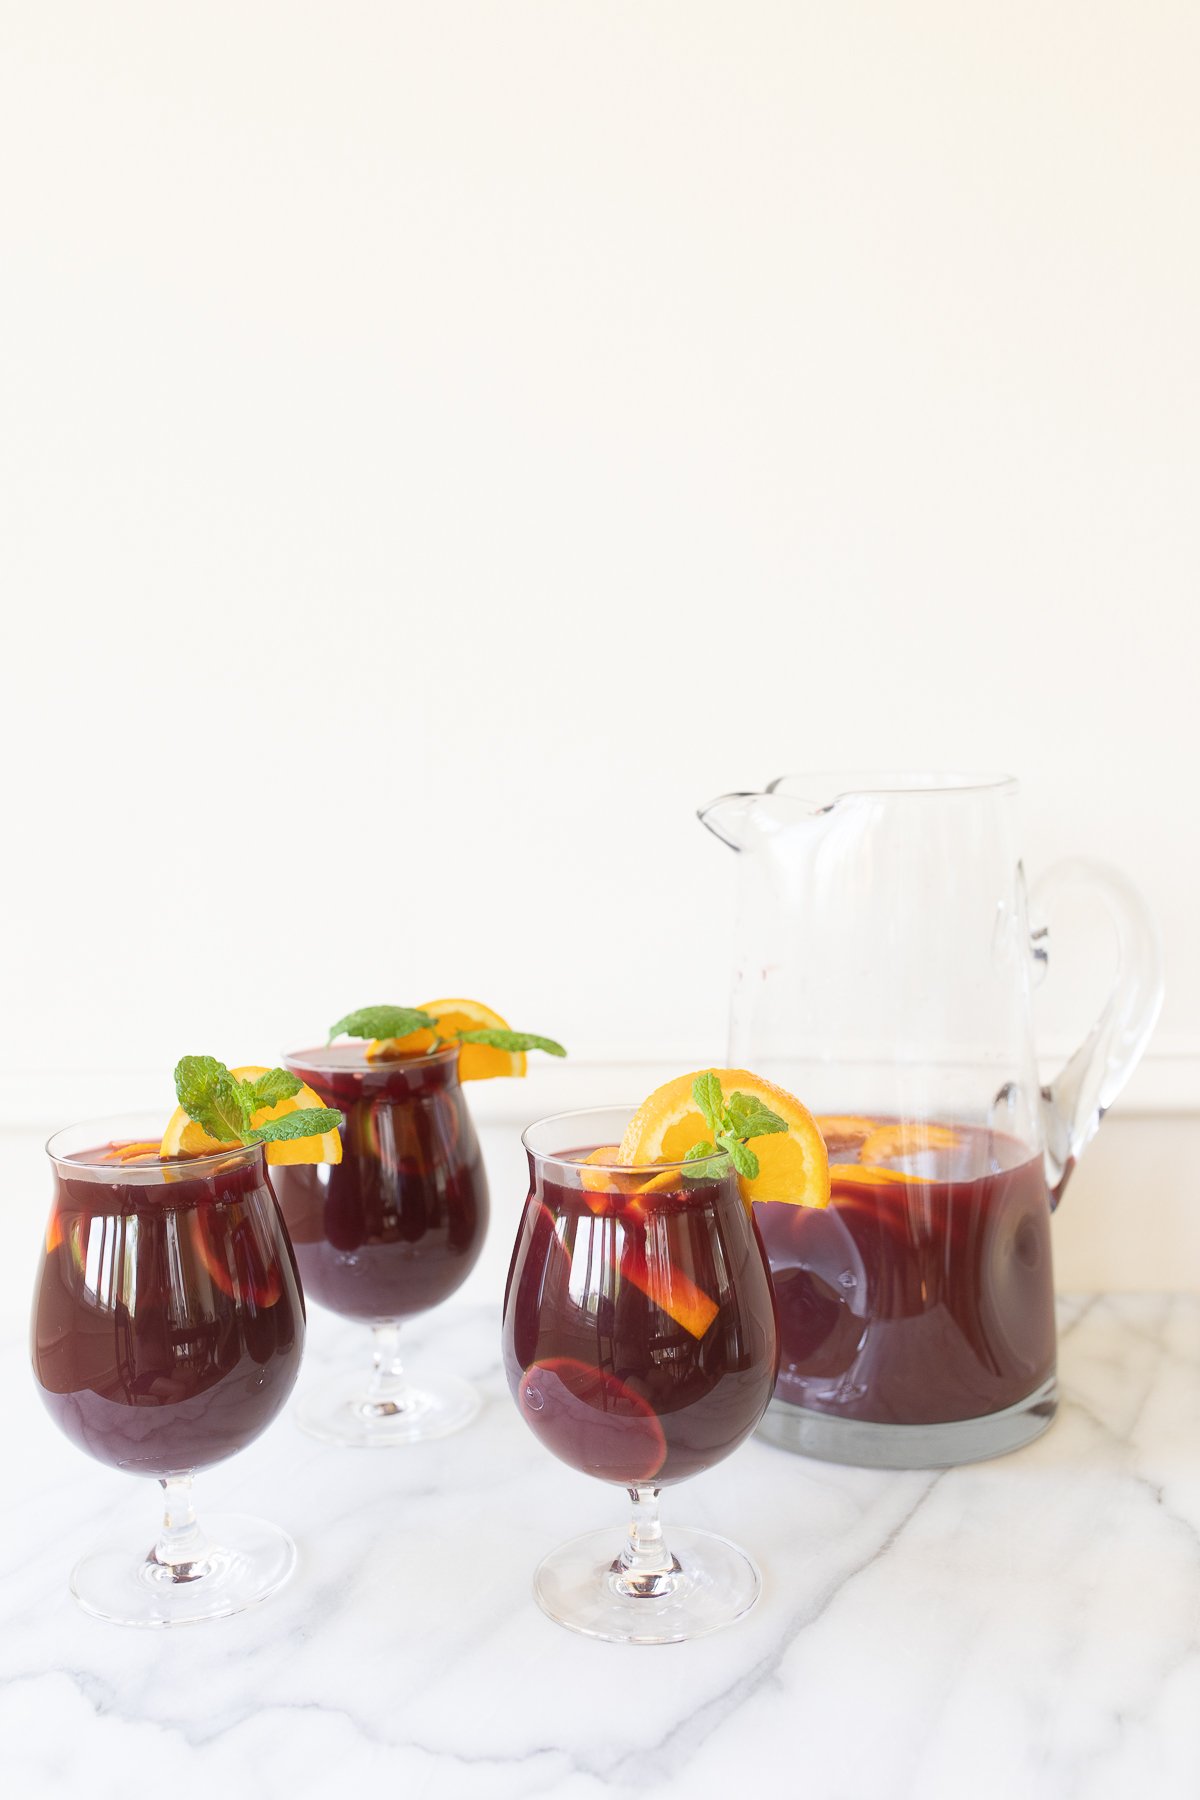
{"x": 390, "y": 1231}
{"x": 168, "y": 1325}
{"x": 640, "y": 1345}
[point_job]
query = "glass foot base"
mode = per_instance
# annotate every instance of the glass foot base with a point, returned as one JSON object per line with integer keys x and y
{"x": 716, "y": 1584}
{"x": 871, "y": 1446}
{"x": 245, "y": 1560}
{"x": 340, "y": 1411}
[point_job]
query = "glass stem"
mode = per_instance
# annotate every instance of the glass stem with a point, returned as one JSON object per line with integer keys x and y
{"x": 645, "y": 1568}
{"x": 183, "y": 1552}
{"x": 388, "y": 1392}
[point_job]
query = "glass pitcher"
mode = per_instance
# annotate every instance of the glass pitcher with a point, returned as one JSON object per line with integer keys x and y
{"x": 885, "y": 972}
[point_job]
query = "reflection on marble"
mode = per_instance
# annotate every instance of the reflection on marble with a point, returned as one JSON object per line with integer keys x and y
{"x": 1027, "y": 1629}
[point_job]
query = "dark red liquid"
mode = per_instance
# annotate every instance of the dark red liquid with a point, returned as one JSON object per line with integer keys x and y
{"x": 168, "y": 1320}
{"x": 918, "y": 1302}
{"x": 624, "y": 1385}
{"x": 398, "y": 1224}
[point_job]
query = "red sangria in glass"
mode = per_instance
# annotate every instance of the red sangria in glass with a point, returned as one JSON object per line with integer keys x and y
{"x": 391, "y": 1230}
{"x": 640, "y": 1345}
{"x": 167, "y": 1330}
{"x": 396, "y": 1226}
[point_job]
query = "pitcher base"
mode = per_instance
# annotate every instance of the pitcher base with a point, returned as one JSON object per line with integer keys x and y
{"x": 871, "y": 1446}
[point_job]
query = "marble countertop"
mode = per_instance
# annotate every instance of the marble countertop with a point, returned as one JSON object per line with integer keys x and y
{"x": 1026, "y": 1628}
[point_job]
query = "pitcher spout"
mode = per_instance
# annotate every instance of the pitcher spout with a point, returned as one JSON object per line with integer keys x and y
{"x": 728, "y": 817}
{"x": 743, "y": 820}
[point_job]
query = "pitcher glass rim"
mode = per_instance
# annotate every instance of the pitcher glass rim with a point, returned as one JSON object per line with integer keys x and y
{"x": 898, "y": 784}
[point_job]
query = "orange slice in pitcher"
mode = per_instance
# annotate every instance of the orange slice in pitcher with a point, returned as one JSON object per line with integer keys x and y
{"x": 476, "y": 1062}
{"x": 862, "y": 1175}
{"x": 183, "y": 1137}
{"x": 844, "y": 1131}
{"x": 793, "y": 1165}
{"x": 889, "y": 1143}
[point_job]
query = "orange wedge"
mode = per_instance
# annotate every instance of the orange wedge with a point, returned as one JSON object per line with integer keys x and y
{"x": 793, "y": 1164}
{"x": 183, "y": 1137}
{"x": 476, "y": 1062}
{"x": 888, "y": 1143}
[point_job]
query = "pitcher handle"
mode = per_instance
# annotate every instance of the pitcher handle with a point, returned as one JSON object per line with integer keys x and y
{"x": 1074, "y": 1103}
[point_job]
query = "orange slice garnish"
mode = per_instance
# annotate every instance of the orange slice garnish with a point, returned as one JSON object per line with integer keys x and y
{"x": 793, "y": 1164}
{"x": 476, "y": 1062}
{"x": 889, "y": 1143}
{"x": 183, "y": 1137}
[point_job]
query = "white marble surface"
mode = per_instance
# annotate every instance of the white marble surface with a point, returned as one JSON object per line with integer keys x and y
{"x": 1023, "y": 1629}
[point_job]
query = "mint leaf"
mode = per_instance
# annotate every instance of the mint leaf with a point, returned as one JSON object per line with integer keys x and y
{"x": 706, "y": 1092}
{"x": 698, "y": 1152}
{"x": 750, "y": 1118}
{"x": 383, "y": 1022}
{"x": 744, "y": 1160}
{"x": 510, "y": 1040}
{"x": 271, "y": 1088}
{"x": 310, "y": 1121}
{"x": 195, "y": 1077}
{"x": 208, "y": 1094}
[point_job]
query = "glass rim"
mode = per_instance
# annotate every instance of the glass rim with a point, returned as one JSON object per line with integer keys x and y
{"x": 101, "y": 1130}
{"x": 900, "y": 784}
{"x": 567, "y": 1161}
{"x": 423, "y": 1059}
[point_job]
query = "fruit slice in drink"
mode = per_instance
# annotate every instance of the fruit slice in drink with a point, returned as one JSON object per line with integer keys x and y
{"x": 669, "y": 1288}
{"x": 592, "y": 1419}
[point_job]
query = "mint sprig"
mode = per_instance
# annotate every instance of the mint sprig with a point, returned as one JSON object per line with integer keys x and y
{"x": 383, "y": 1022}
{"x": 402, "y": 1021}
{"x": 223, "y": 1105}
{"x": 209, "y": 1094}
{"x": 731, "y": 1122}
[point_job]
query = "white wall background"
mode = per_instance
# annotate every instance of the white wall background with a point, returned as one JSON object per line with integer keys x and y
{"x": 440, "y": 445}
